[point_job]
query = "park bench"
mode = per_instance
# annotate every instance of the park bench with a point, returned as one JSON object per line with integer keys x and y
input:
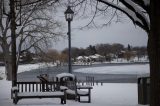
{"x": 34, "y": 90}
{"x": 74, "y": 91}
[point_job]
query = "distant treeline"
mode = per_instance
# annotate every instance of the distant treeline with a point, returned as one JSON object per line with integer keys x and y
{"x": 109, "y": 51}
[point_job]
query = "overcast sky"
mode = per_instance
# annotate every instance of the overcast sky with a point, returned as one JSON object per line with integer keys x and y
{"x": 122, "y": 32}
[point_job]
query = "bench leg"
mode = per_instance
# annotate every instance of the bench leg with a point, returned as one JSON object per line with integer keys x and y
{"x": 63, "y": 100}
{"x": 15, "y": 100}
{"x": 89, "y": 96}
{"x": 64, "y": 97}
{"x": 89, "y": 99}
{"x": 79, "y": 99}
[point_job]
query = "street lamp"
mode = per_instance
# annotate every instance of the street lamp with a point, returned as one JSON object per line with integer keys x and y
{"x": 69, "y": 17}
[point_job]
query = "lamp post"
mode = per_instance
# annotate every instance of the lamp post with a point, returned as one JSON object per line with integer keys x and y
{"x": 69, "y": 17}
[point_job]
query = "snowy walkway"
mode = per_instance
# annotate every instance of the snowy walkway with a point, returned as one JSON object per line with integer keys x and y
{"x": 110, "y": 94}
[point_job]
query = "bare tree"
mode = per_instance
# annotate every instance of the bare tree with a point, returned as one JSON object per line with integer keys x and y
{"x": 104, "y": 50}
{"x": 141, "y": 52}
{"x": 37, "y": 31}
{"x": 52, "y": 55}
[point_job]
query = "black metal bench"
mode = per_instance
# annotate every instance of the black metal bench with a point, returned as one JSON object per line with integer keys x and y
{"x": 74, "y": 91}
{"x": 34, "y": 90}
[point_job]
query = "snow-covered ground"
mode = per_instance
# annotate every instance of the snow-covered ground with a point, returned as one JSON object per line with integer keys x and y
{"x": 110, "y": 94}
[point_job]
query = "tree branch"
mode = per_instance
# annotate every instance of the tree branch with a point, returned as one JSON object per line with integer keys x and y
{"x": 131, "y": 14}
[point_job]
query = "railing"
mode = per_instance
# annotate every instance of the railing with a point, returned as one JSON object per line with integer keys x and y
{"x": 90, "y": 80}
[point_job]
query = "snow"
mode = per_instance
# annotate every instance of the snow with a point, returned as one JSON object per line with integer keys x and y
{"x": 95, "y": 56}
{"x": 79, "y": 57}
{"x": 132, "y": 12}
{"x": 110, "y": 94}
{"x": 40, "y": 93}
{"x": 82, "y": 57}
{"x": 122, "y": 69}
{"x": 143, "y": 75}
{"x": 146, "y": 2}
{"x": 59, "y": 76}
{"x": 69, "y": 91}
{"x": 126, "y": 10}
{"x": 138, "y": 10}
{"x": 26, "y": 67}
{"x": 14, "y": 88}
{"x": 63, "y": 88}
{"x": 81, "y": 92}
{"x": 132, "y": 60}
{"x": 2, "y": 72}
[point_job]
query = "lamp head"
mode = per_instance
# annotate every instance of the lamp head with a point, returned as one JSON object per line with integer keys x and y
{"x": 69, "y": 14}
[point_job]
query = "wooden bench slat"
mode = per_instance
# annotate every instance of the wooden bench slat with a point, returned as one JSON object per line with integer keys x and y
{"x": 36, "y": 87}
{"x": 22, "y": 88}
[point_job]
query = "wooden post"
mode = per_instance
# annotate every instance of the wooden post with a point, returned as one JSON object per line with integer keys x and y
{"x": 101, "y": 83}
{"x": 97, "y": 82}
{"x": 93, "y": 81}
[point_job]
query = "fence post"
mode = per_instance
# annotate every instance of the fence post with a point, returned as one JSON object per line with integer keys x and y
{"x": 101, "y": 83}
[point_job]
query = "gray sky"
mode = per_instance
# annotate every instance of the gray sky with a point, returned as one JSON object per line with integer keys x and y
{"x": 124, "y": 33}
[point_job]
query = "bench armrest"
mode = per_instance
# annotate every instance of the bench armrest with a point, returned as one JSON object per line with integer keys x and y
{"x": 15, "y": 88}
{"x": 14, "y": 91}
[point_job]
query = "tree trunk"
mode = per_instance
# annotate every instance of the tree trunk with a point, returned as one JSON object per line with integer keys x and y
{"x": 154, "y": 53}
{"x": 8, "y": 69}
{"x": 7, "y": 61}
